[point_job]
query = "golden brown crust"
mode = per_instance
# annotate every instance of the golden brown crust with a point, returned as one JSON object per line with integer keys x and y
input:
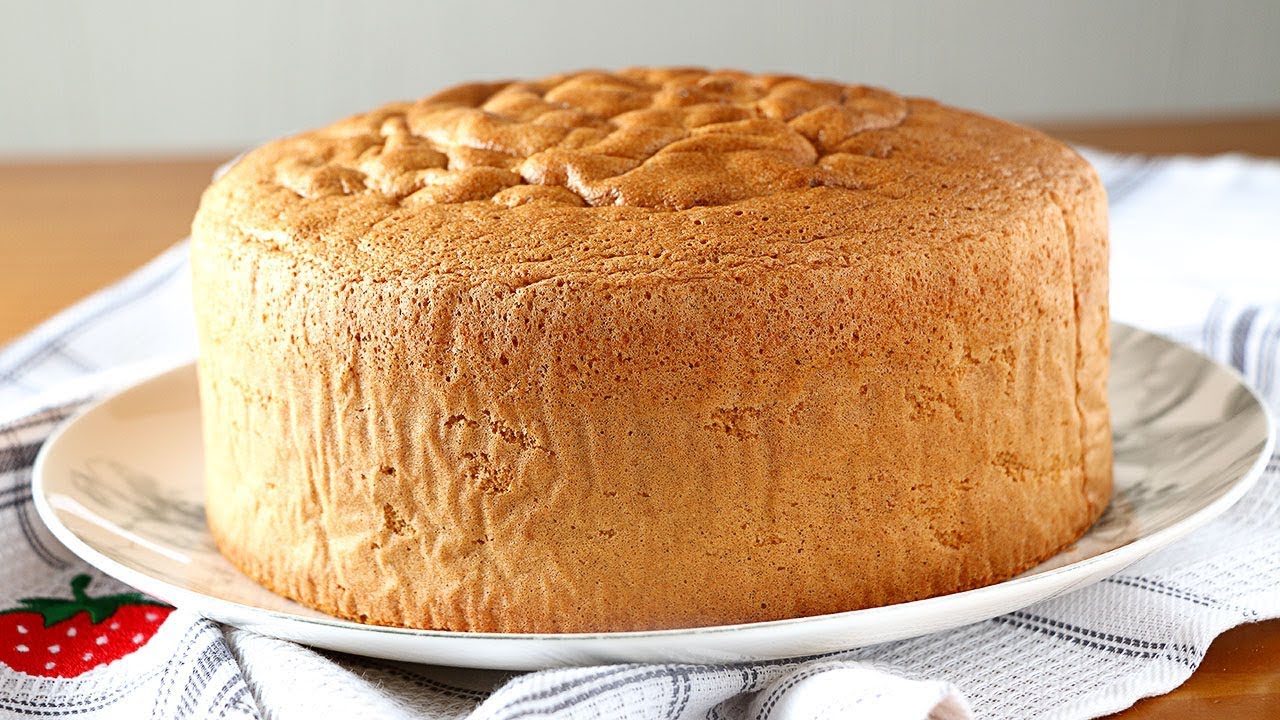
{"x": 653, "y": 349}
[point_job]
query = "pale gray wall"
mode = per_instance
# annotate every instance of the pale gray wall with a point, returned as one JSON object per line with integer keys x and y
{"x": 125, "y": 76}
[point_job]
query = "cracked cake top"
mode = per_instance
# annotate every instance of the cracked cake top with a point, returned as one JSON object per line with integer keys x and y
{"x": 635, "y": 171}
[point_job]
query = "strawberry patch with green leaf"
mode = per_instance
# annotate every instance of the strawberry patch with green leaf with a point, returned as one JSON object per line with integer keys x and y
{"x": 65, "y": 637}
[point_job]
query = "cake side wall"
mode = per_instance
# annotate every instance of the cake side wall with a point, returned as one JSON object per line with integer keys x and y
{"x": 1086, "y": 213}
{"x": 587, "y": 453}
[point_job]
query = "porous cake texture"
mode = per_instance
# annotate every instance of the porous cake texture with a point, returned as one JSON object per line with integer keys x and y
{"x": 650, "y": 349}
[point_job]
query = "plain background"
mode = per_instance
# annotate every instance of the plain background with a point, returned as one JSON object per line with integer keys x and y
{"x": 93, "y": 77}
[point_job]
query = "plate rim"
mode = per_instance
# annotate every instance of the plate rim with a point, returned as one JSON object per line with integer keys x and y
{"x": 1119, "y": 557}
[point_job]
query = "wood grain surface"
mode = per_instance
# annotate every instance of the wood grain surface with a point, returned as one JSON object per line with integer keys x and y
{"x": 69, "y": 228}
{"x": 1250, "y": 134}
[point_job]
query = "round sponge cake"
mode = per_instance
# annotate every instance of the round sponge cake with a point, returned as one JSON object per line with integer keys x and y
{"x": 650, "y": 349}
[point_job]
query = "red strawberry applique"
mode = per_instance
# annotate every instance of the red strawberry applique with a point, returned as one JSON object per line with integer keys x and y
{"x": 65, "y": 637}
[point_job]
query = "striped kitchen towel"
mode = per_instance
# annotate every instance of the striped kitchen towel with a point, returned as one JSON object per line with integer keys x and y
{"x": 1195, "y": 256}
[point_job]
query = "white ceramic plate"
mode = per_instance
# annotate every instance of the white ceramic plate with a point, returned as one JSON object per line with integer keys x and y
{"x": 120, "y": 485}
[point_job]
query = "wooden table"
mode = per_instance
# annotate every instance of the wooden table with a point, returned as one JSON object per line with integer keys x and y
{"x": 68, "y": 228}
